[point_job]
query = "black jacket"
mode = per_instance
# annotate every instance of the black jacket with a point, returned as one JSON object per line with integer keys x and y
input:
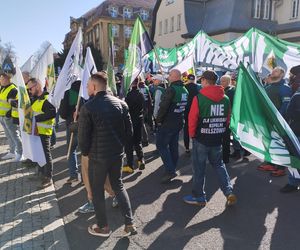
{"x": 193, "y": 90}
{"x": 135, "y": 101}
{"x": 104, "y": 127}
{"x": 293, "y": 113}
{"x": 230, "y": 91}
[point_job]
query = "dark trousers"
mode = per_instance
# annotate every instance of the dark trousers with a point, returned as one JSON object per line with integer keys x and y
{"x": 186, "y": 137}
{"x": 135, "y": 143}
{"x": 226, "y": 145}
{"x": 48, "y": 168}
{"x": 98, "y": 170}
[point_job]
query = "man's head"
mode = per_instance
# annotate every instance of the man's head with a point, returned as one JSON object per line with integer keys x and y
{"x": 191, "y": 78}
{"x": 209, "y": 77}
{"x": 277, "y": 74}
{"x": 26, "y": 76}
{"x": 157, "y": 79}
{"x": 97, "y": 83}
{"x": 135, "y": 83}
{"x": 174, "y": 75}
{"x": 4, "y": 79}
{"x": 34, "y": 86}
{"x": 294, "y": 71}
{"x": 225, "y": 81}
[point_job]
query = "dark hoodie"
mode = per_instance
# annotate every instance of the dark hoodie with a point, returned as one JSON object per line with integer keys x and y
{"x": 208, "y": 127}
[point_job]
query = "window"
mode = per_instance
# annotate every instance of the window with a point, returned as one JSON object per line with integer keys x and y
{"x": 113, "y": 11}
{"x": 97, "y": 32}
{"x": 127, "y": 31}
{"x": 144, "y": 14}
{"x": 179, "y": 22}
{"x": 166, "y": 27}
{"x": 160, "y": 28}
{"x": 295, "y": 8}
{"x": 267, "y": 9}
{"x": 257, "y": 8}
{"x": 115, "y": 30}
{"x": 172, "y": 24}
{"x": 127, "y": 12}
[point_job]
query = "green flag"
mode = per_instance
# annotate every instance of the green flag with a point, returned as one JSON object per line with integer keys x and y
{"x": 258, "y": 125}
{"x": 110, "y": 63}
{"x": 140, "y": 45}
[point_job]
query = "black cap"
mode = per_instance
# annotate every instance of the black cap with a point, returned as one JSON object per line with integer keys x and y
{"x": 295, "y": 70}
{"x": 210, "y": 75}
{"x": 191, "y": 77}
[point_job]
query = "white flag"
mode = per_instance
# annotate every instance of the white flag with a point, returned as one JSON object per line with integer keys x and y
{"x": 70, "y": 72}
{"x": 186, "y": 65}
{"x": 88, "y": 70}
{"x": 28, "y": 65}
{"x": 32, "y": 145}
{"x": 44, "y": 68}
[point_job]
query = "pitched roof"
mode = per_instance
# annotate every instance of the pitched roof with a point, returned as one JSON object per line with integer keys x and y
{"x": 219, "y": 16}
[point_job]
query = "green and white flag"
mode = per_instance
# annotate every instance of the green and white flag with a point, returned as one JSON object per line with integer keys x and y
{"x": 31, "y": 142}
{"x": 44, "y": 68}
{"x": 258, "y": 125}
{"x": 111, "y": 63}
{"x": 71, "y": 71}
{"x": 140, "y": 45}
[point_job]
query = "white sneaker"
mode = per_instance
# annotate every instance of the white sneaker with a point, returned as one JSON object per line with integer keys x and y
{"x": 8, "y": 156}
{"x": 17, "y": 158}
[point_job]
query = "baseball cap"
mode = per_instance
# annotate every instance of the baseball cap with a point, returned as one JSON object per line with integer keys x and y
{"x": 158, "y": 77}
{"x": 295, "y": 70}
{"x": 191, "y": 77}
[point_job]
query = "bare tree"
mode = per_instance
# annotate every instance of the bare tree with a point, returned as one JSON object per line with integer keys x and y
{"x": 37, "y": 55}
{"x": 9, "y": 50}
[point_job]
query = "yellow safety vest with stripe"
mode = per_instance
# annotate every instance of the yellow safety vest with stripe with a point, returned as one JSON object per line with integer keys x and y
{"x": 45, "y": 127}
{"x": 5, "y": 106}
{"x": 14, "y": 111}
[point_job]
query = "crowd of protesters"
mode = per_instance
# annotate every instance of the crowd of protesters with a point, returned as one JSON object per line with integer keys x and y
{"x": 105, "y": 128}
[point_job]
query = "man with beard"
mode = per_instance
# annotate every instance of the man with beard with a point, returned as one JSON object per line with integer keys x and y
{"x": 44, "y": 114}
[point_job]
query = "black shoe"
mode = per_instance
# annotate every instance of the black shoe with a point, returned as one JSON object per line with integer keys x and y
{"x": 145, "y": 144}
{"x": 167, "y": 178}
{"x": 187, "y": 151}
{"x": 288, "y": 188}
{"x": 236, "y": 154}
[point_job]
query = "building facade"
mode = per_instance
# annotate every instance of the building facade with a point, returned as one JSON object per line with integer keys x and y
{"x": 178, "y": 21}
{"x": 121, "y": 14}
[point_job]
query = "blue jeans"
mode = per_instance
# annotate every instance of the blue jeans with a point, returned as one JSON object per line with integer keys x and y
{"x": 200, "y": 153}
{"x": 72, "y": 161}
{"x": 167, "y": 145}
{"x": 12, "y": 133}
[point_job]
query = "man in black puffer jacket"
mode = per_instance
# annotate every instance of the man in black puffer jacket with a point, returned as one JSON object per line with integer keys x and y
{"x": 104, "y": 127}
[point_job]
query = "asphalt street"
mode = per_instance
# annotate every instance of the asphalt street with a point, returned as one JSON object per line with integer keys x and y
{"x": 263, "y": 218}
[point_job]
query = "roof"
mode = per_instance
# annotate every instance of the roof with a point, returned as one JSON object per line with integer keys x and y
{"x": 219, "y": 16}
{"x": 102, "y": 9}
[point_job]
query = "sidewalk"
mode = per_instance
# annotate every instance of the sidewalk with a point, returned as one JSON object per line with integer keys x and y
{"x": 29, "y": 216}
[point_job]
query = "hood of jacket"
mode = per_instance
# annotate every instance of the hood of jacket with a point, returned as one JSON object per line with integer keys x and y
{"x": 213, "y": 92}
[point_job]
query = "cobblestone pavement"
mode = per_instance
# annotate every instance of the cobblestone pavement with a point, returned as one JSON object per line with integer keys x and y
{"x": 29, "y": 216}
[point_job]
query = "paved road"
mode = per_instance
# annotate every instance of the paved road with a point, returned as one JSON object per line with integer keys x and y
{"x": 29, "y": 215}
{"x": 263, "y": 218}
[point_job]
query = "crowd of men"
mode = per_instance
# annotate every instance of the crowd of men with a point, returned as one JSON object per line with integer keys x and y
{"x": 105, "y": 127}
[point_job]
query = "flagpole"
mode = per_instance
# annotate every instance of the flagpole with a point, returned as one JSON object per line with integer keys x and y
{"x": 158, "y": 61}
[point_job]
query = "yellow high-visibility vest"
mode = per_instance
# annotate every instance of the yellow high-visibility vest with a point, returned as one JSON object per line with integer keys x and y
{"x": 4, "y": 104}
{"x": 45, "y": 127}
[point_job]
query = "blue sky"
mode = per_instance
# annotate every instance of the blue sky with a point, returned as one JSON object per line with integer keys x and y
{"x": 28, "y": 23}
